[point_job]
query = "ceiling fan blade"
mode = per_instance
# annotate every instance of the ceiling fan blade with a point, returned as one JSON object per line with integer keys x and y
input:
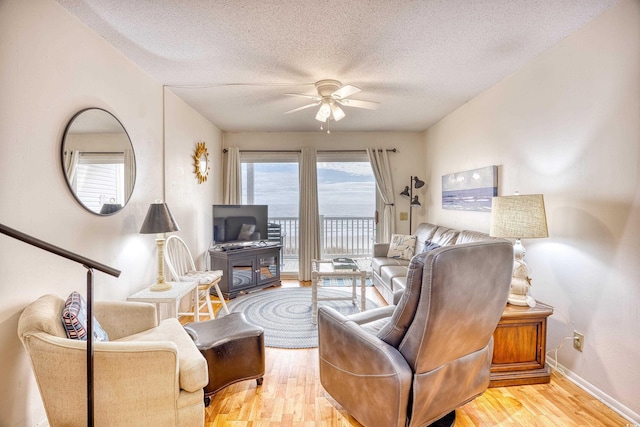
{"x": 304, "y": 107}
{"x": 314, "y": 97}
{"x": 345, "y": 91}
{"x": 369, "y": 105}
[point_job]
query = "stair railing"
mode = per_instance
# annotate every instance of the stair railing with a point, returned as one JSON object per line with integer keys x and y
{"x": 90, "y": 265}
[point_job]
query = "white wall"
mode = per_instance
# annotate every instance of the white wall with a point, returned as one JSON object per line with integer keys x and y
{"x": 568, "y": 126}
{"x": 408, "y": 161}
{"x": 52, "y": 67}
{"x": 190, "y": 202}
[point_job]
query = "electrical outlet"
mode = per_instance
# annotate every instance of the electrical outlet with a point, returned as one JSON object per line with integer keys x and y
{"x": 578, "y": 340}
{"x": 404, "y": 216}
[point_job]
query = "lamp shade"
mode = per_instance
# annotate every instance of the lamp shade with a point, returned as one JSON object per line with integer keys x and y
{"x": 405, "y": 192}
{"x": 158, "y": 220}
{"x": 519, "y": 217}
{"x": 418, "y": 182}
{"x": 109, "y": 208}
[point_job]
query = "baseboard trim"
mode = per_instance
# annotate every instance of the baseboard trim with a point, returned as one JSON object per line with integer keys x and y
{"x": 631, "y": 416}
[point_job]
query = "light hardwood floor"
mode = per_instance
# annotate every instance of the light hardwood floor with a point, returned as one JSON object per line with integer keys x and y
{"x": 291, "y": 395}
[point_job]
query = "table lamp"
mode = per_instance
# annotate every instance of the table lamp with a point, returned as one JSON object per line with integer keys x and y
{"x": 519, "y": 217}
{"x": 159, "y": 220}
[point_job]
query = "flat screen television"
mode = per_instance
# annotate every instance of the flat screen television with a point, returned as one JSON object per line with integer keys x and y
{"x": 227, "y": 219}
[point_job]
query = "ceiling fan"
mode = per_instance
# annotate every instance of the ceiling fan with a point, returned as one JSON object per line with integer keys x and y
{"x": 331, "y": 95}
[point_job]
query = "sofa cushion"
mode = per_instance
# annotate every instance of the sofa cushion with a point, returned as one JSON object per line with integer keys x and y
{"x": 399, "y": 282}
{"x": 467, "y": 236}
{"x": 74, "y": 319}
{"x": 445, "y": 236}
{"x": 193, "y": 366}
{"x": 424, "y": 232}
{"x": 378, "y": 262}
{"x": 402, "y": 246}
{"x": 388, "y": 272}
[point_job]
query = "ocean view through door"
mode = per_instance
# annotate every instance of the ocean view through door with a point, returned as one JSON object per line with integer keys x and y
{"x": 346, "y": 198}
{"x": 276, "y": 184}
{"x": 347, "y": 204}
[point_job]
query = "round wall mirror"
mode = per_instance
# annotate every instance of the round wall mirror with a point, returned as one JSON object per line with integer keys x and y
{"x": 98, "y": 161}
{"x": 201, "y": 162}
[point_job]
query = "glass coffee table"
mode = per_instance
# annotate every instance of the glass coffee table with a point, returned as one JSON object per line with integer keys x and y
{"x": 344, "y": 268}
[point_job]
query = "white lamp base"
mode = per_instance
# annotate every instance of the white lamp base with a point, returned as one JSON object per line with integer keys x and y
{"x": 160, "y": 284}
{"x": 159, "y": 287}
{"x": 520, "y": 282}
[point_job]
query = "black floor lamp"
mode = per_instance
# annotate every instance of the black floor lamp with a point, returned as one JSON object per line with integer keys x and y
{"x": 90, "y": 265}
{"x": 414, "y": 202}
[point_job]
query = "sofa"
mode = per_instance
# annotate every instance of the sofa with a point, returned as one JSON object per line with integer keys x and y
{"x": 390, "y": 273}
{"x": 146, "y": 374}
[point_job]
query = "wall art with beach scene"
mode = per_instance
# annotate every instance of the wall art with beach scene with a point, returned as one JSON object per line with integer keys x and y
{"x": 470, "y": 190}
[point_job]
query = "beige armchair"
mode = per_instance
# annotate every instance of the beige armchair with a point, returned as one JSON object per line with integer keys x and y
{"x": 413, "y": 364}
{"x": 145, "y": 375}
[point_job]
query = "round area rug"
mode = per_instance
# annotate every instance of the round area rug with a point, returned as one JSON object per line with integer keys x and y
{"x": 285, "y": 314}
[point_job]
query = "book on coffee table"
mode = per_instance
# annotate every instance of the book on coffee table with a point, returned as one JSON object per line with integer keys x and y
{"x": 344, "y": 264}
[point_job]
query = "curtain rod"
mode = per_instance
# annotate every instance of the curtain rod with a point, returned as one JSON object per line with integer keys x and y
{"x": 224, "y": 150}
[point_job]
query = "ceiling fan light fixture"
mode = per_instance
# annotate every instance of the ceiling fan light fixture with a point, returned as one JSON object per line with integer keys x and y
{"x": 324, "y": 112}
{"x": 336, "y": 112}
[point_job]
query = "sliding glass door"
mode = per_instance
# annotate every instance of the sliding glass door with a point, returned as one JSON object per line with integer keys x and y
{"x": 347, "y": 205}
{"x": 346, "y": 198}
{"x": 273, "y": 180}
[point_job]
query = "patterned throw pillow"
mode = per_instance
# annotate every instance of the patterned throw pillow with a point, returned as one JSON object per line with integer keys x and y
{"x": 246, "y": 231}
{"x": 74, "y": 319}
{"x": 402, "y": 246}
{"x": 429, "y": 246}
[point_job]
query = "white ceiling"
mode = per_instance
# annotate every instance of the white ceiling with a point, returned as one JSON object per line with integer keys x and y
{"x": 420, "y": 59}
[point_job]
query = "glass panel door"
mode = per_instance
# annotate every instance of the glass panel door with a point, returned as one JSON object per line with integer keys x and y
{"x": 347, "y": 204}
{"x": 275, "y": 183}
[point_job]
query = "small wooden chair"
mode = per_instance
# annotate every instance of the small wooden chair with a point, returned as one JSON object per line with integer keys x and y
{"x": 182, "y": 268}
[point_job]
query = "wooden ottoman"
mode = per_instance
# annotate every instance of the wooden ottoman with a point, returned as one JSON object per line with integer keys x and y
{"x": 233, "y": 348}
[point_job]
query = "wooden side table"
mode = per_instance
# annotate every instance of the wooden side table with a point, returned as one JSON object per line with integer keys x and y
{"x": 519, "y": 346}
{"x": 170, "y": 297}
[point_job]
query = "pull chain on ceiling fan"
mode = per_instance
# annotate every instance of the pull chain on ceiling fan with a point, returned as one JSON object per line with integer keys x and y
{"x": 331, "y": 95}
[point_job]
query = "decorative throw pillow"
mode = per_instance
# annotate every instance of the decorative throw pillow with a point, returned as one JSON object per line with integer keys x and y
{"x": 429, "y": 246}
{"x": 74, "y": 319}
{"x": 402, "y": 246}
{"x": 246, "y": 231}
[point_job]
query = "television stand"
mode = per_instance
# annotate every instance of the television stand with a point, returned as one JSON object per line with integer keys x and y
{"x": 246, "y": 268}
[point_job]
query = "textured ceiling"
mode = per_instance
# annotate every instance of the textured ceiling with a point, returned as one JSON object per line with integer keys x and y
{"x": 419, "y": 59}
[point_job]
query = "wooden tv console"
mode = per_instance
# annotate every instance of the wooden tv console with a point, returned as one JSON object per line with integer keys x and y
{"x": 519, "y": 346}
{"x": 246, "y": 268}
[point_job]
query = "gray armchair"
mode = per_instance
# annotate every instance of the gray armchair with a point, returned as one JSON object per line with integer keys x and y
{"x": 414, "y": 363}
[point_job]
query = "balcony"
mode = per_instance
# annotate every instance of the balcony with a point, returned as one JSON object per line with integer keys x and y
{"x": 340, "y": 236}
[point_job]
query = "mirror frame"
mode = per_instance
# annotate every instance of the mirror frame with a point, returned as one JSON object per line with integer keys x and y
{"x": 110, "y": 209}
{"x": 201, "y": 162}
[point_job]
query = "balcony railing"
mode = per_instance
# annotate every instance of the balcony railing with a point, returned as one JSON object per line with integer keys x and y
{"x": 339, "y": 235}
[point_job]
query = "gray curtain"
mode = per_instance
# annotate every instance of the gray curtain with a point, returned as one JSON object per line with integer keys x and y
{"x": 379, "y": 160}
{"x": 309, "y": 234}
{"x": 233, "y": 177}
